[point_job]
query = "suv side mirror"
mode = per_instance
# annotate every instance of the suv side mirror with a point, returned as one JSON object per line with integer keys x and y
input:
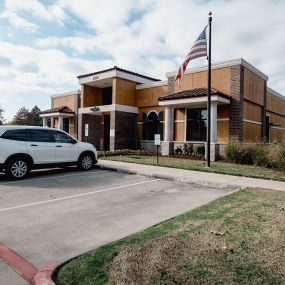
{"x": 74, "y": 141}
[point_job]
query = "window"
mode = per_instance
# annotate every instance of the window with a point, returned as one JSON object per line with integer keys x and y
{"x": 16, "y": 135}
{"x": 107, "y": 96}
{"x": 152, "y": 124}
{"x": 196, "y": 125}
{"x": 37, "y": 135}
{"x": 61, "y": 137}
{"x": 66, "y": 124}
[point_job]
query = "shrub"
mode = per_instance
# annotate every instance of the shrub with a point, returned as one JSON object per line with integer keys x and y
{"x": 188, "y": 148}
{"x": 281, "y": 158}
{"x": 259, "y": 155}
{"x": 178, "y": 151}
{"x": 248, "y": 154}
{"x": 199, "y": 150}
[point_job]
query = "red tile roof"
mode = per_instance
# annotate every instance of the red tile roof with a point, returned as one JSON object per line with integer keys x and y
{"x": 63, "y": 109}
{"x": 119, "y": 69}
{"x": 193, "y": 93}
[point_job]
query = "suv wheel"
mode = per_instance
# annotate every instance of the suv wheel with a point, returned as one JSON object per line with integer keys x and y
{"x": 86, "y": 161}
{"x": 18, "y": 168}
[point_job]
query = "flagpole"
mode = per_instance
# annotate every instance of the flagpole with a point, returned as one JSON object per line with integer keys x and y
{"x": 208, "y": 158}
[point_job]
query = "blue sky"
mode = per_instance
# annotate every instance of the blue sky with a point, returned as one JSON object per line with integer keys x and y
{"x": 45, "y": 45}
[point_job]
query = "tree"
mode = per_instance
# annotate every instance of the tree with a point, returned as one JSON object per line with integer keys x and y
{"x": 34, "y": 117}
{"x": 22, "y": 117}
{"x": 1, "y": 115}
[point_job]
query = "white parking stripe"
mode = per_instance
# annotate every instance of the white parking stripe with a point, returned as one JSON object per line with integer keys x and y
{"x": 75, "y": 196}
{"x": 53, "y": 177}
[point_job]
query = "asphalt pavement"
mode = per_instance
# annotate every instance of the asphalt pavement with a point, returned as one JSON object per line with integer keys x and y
{"x": 55, "y": 215}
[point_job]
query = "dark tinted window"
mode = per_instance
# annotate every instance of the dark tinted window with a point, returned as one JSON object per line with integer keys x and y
{"x": 16, "y": 135}
{"x": 107, "y": 96}
{"x": 61, "y": 137}
{"x": 38, "y": 135}
{"x": 196, "y": 125}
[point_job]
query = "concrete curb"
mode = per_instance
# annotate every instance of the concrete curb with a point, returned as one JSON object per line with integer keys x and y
{"x": 181, "y": 179}
{"x": 44, "y": 275}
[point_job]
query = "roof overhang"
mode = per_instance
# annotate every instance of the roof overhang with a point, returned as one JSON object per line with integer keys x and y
{"x": 98, "y": 110}
{"x": 57, "y": 114}
{"x": 195, "y": 102}
{"x": 105, "y": 77}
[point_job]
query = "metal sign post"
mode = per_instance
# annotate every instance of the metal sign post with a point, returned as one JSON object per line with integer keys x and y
{"x": 157, "y": 143}
{"x": 86, "y": 131}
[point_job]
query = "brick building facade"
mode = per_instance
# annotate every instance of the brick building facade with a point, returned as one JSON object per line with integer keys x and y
{"x": 124, "y": 109}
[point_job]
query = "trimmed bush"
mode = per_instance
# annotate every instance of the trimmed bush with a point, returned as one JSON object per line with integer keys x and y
{"x": 188, "y": 149}
{"x": 178, "y": 151}
{"x": 199, "y": 150}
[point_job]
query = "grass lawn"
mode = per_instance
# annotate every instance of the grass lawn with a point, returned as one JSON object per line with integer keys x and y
{"x": 237, "y": 239}
{"x": 216, "y": 167}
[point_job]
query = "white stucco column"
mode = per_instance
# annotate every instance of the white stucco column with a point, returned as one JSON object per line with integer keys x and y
{"x": 60, "y": 123}
{"x": 168, "y": 125}
{"x": 52, "y": 122}
{"x": 45, "y": 121}
{"x": 214, "y": 122}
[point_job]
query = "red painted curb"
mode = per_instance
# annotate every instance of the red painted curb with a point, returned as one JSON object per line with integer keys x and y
{"x": 43, "y": 277}
{"x": 18, "y": 263}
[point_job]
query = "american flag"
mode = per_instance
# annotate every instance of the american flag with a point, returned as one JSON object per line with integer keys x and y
{"x": 198, "y": 49}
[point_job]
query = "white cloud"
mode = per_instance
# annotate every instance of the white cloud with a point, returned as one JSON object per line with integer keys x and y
{"x": 35, "y": 8}
{"x": 56, "y": 72}
{"x": 18, "y": 22}
{"x": 147, "y": 36}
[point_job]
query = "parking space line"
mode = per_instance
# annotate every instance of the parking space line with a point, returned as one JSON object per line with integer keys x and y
{"x": 75, "y": 196}
{"x": 59, "y": 176}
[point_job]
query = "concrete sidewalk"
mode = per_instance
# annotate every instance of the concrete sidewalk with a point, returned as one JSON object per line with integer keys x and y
{"x": 191, "y": 177}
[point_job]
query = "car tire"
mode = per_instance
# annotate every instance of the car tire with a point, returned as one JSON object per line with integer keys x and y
{"x": 18, "y": 168}
{"x": 86, "y": 161}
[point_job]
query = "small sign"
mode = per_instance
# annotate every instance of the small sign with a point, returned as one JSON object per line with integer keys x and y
{"x": 86, "y": 130}
{"x": 157, "y": 139}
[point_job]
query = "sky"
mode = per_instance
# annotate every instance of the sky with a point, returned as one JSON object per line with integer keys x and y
{"x": 45, "y": 45}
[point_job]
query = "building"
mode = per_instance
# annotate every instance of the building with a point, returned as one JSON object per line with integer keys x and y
{"x": 124, "y": 109}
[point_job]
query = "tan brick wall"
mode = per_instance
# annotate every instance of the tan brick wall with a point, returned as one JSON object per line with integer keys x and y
{"x": 252, "y": 111}
{"x": 68, "y": 101}
{"x": 149, "y": 97}
{"x": 220, "y": 80}
{"x": 253, "y": 87}
{"x": 252, "y": 132}
{"x": 90, "y": 96}
{"x": 124, "y": 92}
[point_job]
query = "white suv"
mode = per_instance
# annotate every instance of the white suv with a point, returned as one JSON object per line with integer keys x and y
{"x": 25, "y": 148}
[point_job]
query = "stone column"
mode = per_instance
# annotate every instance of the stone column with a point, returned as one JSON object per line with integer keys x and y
{"x": 60, "y": 123}
{"x": 214, "y": 125}
{"x": 44, "y": 121}
{"x": 168, "y": 126}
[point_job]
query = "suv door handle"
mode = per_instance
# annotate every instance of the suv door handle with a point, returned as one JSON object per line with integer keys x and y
{"x": 34, "y": 145}
{"x": 59, "y": 146}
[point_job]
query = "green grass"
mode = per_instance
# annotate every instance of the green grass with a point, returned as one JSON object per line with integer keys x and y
{"x": 197, "y": 165}
{"x": 237, "y": 239}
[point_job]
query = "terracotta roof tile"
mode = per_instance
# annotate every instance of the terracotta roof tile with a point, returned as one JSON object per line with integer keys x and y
{"x": 193, "y": 93}
{"x": 63, "y": 109}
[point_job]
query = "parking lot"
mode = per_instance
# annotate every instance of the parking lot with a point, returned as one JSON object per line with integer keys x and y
{"x": 55, "y": 215}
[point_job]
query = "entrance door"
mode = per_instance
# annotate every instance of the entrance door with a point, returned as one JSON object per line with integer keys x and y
{"x": 106, "y": 132}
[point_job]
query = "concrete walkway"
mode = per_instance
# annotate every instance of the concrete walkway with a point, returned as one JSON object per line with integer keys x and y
{"x": 192, "y": 177}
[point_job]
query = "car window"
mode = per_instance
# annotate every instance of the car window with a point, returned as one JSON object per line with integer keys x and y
{"x": 61, "y": 137}
{"x": 16, "y": 135}
{"x": 37, "y": 135}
